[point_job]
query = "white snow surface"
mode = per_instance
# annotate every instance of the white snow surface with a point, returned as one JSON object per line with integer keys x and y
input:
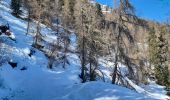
{"x": 37, "y": 82}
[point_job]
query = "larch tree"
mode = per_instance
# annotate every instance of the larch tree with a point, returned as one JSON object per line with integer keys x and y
{"x": 89, "y": 39}
{"x": 56, "y": 15}
{"x": 81, "y": 30}
{"x": 122, "y": 11}
{"x": 27, "y": 5}
{"x": 153, "y": 50}
{"x": 68, "y": 13}
{"x": 40, "y": 10}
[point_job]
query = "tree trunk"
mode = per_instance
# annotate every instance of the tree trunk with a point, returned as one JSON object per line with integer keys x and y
{"x": 83, "y": 62}
{"x": 28, "y": 25}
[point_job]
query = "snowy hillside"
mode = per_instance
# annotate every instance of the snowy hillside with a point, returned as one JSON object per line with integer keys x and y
{"x": 32, "y": 80}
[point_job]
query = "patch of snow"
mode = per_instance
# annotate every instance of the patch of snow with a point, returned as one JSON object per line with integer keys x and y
{"x": 101, "y": 91}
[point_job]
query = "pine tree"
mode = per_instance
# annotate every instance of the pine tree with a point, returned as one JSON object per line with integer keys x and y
{"x": 161, "y": 69}
{"x": 99, "y": 16}
{"x": 158, "y": 51}
{"x": 15, "y": 6}
{"x": 99, "y": 10}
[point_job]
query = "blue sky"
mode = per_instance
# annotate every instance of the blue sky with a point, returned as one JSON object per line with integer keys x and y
{"x": 149, "y": 9}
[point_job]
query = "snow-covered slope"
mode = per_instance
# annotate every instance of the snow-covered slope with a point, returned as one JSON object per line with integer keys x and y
{"x": 37, "y": 82}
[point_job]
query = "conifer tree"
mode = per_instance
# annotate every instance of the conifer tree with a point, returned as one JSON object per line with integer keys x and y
{"x": 98, "y": 15}
{"x": 15, "y": 6}
{"x": 161, "y": 69}
{"x": 99, "y": 10}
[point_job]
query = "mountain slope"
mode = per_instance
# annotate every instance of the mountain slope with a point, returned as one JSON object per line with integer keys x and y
{"x": 32, "y": 80}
